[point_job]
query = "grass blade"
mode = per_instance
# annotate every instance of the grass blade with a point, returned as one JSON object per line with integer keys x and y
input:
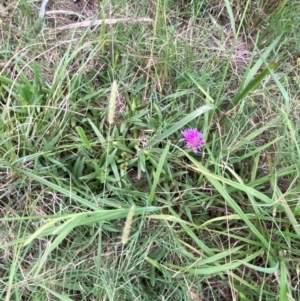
{"x": 158, "y": 172}
{"x": 83, "y": 137}
{"x": 180, "y": 124}
{"x": 215, "y": 181}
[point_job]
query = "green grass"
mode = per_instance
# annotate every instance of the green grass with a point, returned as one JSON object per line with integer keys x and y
{"x": 101, "y": 200}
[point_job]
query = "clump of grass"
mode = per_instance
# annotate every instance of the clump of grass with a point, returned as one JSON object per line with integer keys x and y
{"x": 103, "y": 203}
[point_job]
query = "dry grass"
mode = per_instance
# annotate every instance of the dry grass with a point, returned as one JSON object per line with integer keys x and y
{"x": 237, "y": 199}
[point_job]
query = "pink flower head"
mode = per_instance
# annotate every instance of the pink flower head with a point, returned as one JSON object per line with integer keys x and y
{"x": 193, "y": 138}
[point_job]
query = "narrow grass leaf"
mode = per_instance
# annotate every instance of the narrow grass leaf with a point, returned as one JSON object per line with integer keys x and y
{"x": 283, "y": 91}
{"x": 83, "y": 137}
{"x": 180, "y": 124}
{"x": 37, "y": 76}
{"x": 215, "y": 181}
{"x": 48, "y": 145}
{"x": 100, "y": 214}
{"x": 68, "y": 193}
{"x": 222, "y": 268}
{"x": 96, "y": 130}
{"x": 253, "y": 134}
{"x": 217, "y": 257}
{"x": 63, "y": 231}
{"x": 262, "y": 269}
{"x": 116, "y": 173}
{"x": 256, "y": 151}
{"x": 251, "y": 86}
{"x": 231, "y": 17}
{"x": 56, "y": 294}
{"x": 158, "y": 172}
{"x": 80, "y": 219}
{"x": 198, "y": 241}
{"x": 280, "y": 198}
{"x": 169, "y": 218}
{"x": 280, "y": 173}
{"x": 201, "y": 88}
{"x": 260, "y": 62}
{"x": 43, "y": 9}
{"x": 240, "y": 180}
{"x": 283, "y": 282}
{"x": 230, "y": 217}
{"x": 39, "y": 232}
{"x": 243, "y": 187}
{"x": 12, "y": 272}
{"x": 40, "y": 264}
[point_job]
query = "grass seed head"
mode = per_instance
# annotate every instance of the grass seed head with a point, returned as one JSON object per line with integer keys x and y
{"x": 128, "y": 223}
{"x": 112, "y": 102}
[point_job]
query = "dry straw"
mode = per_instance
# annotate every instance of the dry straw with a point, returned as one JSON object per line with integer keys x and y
{"x": 112, "y": 102}
{"x": 101, "y": 22}
{"x": 128, "y": 223}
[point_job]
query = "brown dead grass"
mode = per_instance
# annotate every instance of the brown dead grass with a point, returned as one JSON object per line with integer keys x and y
{"x": 61, "y": 12}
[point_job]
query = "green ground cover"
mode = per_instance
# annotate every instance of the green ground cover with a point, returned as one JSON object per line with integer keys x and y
{"x": 101, "y": 199}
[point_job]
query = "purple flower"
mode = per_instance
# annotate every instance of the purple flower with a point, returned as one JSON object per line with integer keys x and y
{"x": 193, "y": 138}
